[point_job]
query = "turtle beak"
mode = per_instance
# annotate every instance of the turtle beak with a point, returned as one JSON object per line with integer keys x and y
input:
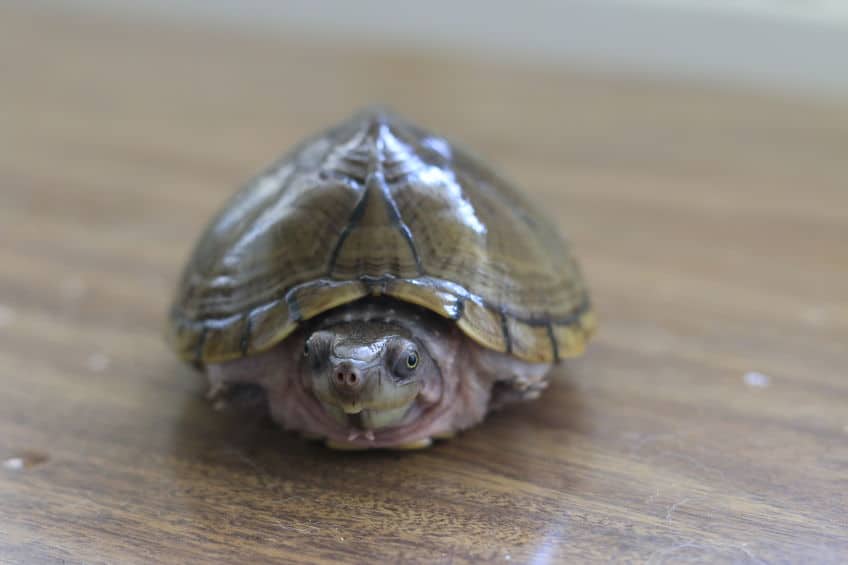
{"x": 359, "y": 395}
{"x": 353, "y": 385}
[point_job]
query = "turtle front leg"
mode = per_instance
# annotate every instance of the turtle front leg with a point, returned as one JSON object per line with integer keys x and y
{"x": 241, "y": 383}
{"x": 513, "y": 380}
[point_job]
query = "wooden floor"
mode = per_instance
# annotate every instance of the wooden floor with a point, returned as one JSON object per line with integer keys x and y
{"x": 708, "y": 422}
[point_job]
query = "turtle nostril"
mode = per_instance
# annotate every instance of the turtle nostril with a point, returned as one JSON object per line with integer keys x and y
{"x": 347, "y": 377}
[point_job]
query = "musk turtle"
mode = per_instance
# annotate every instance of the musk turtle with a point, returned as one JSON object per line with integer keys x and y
{"x": 383, "y": 287}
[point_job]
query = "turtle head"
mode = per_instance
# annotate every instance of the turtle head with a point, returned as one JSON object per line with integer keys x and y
{"x": 369, "y": 374}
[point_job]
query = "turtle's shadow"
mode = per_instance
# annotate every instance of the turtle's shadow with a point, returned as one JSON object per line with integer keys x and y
{"x": 243, "y": 437}
{"x": 519, "y": 436}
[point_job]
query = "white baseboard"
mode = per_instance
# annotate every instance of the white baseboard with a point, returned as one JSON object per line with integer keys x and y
{"x": 800, "y": 46}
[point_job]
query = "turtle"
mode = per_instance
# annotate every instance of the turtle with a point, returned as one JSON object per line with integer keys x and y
{"x": 382, "y": 287}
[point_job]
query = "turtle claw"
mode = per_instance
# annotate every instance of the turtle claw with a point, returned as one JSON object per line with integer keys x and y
{"x": 217, "y": 395}
{"x": 354, "y": 435}
{"x": 215, "y": 390}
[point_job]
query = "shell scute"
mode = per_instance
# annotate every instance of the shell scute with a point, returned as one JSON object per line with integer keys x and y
{"x": 379, "y": 206}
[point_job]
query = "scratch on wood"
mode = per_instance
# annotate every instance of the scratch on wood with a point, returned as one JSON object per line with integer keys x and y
{"x": 300, "y": 528}
{"x": 653, "y": 497}
{"x": 673, "y": 507}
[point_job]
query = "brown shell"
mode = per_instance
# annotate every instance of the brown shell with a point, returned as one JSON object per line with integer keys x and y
{"x": 379, "y": 206}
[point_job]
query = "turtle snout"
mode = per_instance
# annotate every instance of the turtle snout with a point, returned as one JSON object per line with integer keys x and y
{"x": 347, "y": 378}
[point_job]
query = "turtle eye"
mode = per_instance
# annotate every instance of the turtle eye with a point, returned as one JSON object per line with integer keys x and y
{"x": 412, "y": 360}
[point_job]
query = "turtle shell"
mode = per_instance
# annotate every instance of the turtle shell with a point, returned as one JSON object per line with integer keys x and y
{"x": 377, "y": 206}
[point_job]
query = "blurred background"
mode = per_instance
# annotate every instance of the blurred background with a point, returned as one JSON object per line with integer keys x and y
{"x": 694, "y": 152}
{"x": 795, "y": 45}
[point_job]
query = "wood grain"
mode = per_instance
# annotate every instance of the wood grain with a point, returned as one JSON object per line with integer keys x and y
{"x": 711, "y": 225}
